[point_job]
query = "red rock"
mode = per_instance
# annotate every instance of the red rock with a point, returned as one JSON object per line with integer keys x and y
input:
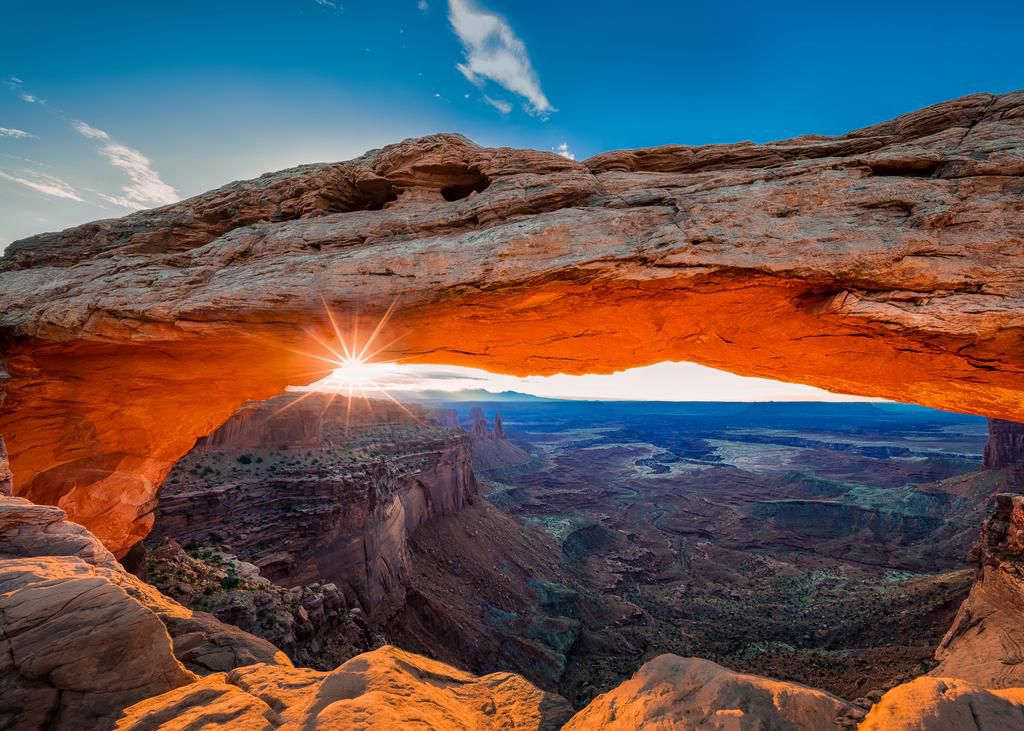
{"x": 201, "y": 642}
{"x": 985, "y": 644}
{"x": 883, "y": 262}
{"x": 6, "y": 478}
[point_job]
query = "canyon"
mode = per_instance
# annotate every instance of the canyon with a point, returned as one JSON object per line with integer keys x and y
{"x": 430, "y": 571}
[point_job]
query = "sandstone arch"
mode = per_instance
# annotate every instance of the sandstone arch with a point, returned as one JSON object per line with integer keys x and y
{"x": 888, "y": 262}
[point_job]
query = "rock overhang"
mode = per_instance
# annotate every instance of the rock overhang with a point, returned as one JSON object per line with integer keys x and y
{"x": 887, "y": 262}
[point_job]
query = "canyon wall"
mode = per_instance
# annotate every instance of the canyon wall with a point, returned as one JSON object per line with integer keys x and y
{"x": 338, "y": 508}
{"x": 883, "y": 262}
{"x": 1005, "y": 446}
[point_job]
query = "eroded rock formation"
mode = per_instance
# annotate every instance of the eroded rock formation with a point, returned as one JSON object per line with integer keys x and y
{"x": 883, "y": 262}
{"x": 318, "y": 491}
{"x": 81, "y": 638}
{"x": 985, "y": 645}
{"x": 491, "y": 447}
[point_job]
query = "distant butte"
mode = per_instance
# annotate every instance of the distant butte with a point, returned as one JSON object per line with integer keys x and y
{"x": 885, "y": 262}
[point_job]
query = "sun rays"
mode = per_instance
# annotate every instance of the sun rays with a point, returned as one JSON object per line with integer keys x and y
{"x": 354, "y": 371}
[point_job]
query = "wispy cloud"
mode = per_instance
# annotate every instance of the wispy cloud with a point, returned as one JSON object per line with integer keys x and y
{"x": 423, "y": 6}
{"x": 146, "y": 189}
{"x": 329, "y": 4}
{"x": 500, "y": 104}
{"x": 563, "y": 150}
{"x": 19, "y": 88}
{"x": 49, "y": 185}
{"x": 494, "y": 52}
{"x": 18, "y": 134}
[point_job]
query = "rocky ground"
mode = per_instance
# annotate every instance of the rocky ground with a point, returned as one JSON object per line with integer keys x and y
{"x": 89, "y": 646}
{"x": 828, "y": 548}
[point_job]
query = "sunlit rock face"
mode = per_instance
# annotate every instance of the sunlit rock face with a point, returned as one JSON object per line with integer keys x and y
{"x": 672, "y": 692}
{"x": 81, "y": 638}
{"x": 946, "y": 704}
{"x": 383, "y": 689}
{"x": 884, "y": 262}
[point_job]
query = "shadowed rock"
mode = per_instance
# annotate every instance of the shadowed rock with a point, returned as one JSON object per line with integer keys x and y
{"x": 985, "y": 645}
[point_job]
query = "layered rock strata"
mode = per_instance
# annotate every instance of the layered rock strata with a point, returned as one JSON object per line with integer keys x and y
{"x": 884, "y": 262}
{"x": 335, "y": 499}
{"x": 985, "y": 645}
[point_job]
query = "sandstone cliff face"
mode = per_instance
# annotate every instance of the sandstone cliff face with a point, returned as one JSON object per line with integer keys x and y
{"x": 81, "y": 639}
{"x": 1005, "y": 446}
{"x": 342, "y": 511}
{"x": 985, "y": 645}
{"x": 201, "y": 643}
{"x": 883, "y": 262}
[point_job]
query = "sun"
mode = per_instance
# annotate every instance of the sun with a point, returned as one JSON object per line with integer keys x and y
{"x": 355, "y": 373}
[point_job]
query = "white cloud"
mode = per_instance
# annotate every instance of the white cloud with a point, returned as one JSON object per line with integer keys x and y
{"x": 500, "y": 104}
{"x": 423, "y": 6}
{"x": 18, "y": 85}
{"x": 146, "y": 188}
{"x": 328, "y": 4}
{"x": 563, "y": 150}
{"x": 49, "y": 185}
{"x": 494, "y": 52}
{"x": 18, "y": 134}
{"x": 91, "y": 132}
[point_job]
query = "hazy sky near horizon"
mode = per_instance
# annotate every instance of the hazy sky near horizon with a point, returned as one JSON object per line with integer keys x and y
{"x": 659, "y": 382}
{"x": 111, "y": 107}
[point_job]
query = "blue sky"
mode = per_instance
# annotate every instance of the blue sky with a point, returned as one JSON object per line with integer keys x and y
{"x": 183, "y": 97}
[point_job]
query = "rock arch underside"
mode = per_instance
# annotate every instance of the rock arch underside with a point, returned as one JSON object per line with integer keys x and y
{"x": 885, "y": 262}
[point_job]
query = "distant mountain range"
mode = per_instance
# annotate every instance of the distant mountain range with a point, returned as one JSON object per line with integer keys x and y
{"x": 474, "y": 395}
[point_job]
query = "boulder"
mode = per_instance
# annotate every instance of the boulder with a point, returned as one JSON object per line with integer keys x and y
{"x": 688, "y": 693}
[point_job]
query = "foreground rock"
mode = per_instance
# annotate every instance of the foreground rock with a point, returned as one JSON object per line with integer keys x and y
{"x": 985, "y": 645}
{"x": 201, "y": 642}
{"x": 946, "y": 704}
{"x": 383, "y": 689}
{"x": 883, "y": 262}
{"x": 672, "y": 692}
{"x": 75, "y": 647}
